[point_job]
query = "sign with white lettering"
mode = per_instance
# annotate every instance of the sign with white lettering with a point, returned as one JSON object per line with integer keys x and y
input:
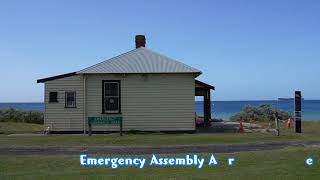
{"x": 104, "y": 121}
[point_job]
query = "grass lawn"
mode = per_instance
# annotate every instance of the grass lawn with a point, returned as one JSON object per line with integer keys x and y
{"x": 310, "y": 133}
{"x": 278, "y": 164}
{"x": 12, "y": 128}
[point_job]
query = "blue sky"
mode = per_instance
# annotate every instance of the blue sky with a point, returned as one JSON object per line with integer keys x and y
{"x": 248, "y": 49}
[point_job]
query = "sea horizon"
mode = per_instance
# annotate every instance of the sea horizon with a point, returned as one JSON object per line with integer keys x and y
{"x": 220, "y": 109}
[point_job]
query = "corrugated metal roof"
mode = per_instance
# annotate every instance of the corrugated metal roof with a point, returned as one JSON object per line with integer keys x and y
{"x": 140, "y": 60}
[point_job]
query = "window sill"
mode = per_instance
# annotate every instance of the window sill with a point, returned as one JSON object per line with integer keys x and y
{"x": 53, "y": 102}
{"x": 70, "y": 107}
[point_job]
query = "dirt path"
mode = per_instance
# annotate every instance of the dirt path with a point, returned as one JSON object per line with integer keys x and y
{"x": 139, "y": 150}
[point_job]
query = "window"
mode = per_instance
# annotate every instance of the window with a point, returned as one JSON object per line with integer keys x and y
{"x": 70, "y": 99}
{"x": 53, "y": 97}
{"x": 111, "y": 97}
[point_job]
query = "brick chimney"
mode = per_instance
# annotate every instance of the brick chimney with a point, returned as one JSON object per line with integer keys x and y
{"x": 140, "y": 41}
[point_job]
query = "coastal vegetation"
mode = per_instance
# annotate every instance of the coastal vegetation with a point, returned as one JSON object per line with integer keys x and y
{"x": 14, "y": 115}
{"x": 262, "y": 113}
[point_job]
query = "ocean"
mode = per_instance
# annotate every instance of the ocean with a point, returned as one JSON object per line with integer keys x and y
{"x": 225, "y": 109}
{"x": 220, "y": 109}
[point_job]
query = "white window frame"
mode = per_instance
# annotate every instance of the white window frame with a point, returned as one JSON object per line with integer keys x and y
{"x": 66, "y": 99}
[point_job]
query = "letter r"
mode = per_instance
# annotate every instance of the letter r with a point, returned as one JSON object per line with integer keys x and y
{"x": 230, "y": 161}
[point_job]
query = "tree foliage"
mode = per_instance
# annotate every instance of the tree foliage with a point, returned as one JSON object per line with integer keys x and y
{"x": 263, "y": 113}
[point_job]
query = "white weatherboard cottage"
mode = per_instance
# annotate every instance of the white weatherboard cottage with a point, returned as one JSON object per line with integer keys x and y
{"x": 151, "y": 92}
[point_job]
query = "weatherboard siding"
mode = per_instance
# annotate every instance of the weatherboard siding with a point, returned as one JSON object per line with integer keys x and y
{"x": 57, "y": 116}
{"x": 154, "y": 102}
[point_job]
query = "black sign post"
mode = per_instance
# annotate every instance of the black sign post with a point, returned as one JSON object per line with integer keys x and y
{"x": 297, "y": 111}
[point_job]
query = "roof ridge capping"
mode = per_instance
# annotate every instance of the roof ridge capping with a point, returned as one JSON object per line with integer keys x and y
{"x": 140, "y": 60}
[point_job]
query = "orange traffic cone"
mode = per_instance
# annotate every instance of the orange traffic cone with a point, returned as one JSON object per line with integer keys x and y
{"x": 240, "y": 126}
{"x": 289, "y": 123}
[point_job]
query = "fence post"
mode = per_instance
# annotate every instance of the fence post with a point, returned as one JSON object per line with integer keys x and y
{"x": 277, "y": 123}
{"x": 30, "y": 117}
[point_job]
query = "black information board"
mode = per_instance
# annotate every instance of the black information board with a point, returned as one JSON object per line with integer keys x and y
{"x": 297, "y": 110}
{"x": 297, "y": 101}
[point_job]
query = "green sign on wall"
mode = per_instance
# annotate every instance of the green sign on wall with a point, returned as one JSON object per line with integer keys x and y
{"x": 104, "y": 121}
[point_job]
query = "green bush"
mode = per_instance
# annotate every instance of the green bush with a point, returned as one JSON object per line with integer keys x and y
{"x": 13, "y": 115}
{"x": 263, "y": 113}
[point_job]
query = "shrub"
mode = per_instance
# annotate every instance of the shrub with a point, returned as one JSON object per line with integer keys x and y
{"x": 264, "y": 113}
{"x": 13, "y": 115}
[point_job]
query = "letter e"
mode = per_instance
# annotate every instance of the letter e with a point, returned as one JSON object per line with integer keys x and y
{"x": 309, "y": 161}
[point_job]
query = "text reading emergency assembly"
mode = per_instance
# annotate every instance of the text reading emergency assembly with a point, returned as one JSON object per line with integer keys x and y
{"x": 154, "y": 160}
